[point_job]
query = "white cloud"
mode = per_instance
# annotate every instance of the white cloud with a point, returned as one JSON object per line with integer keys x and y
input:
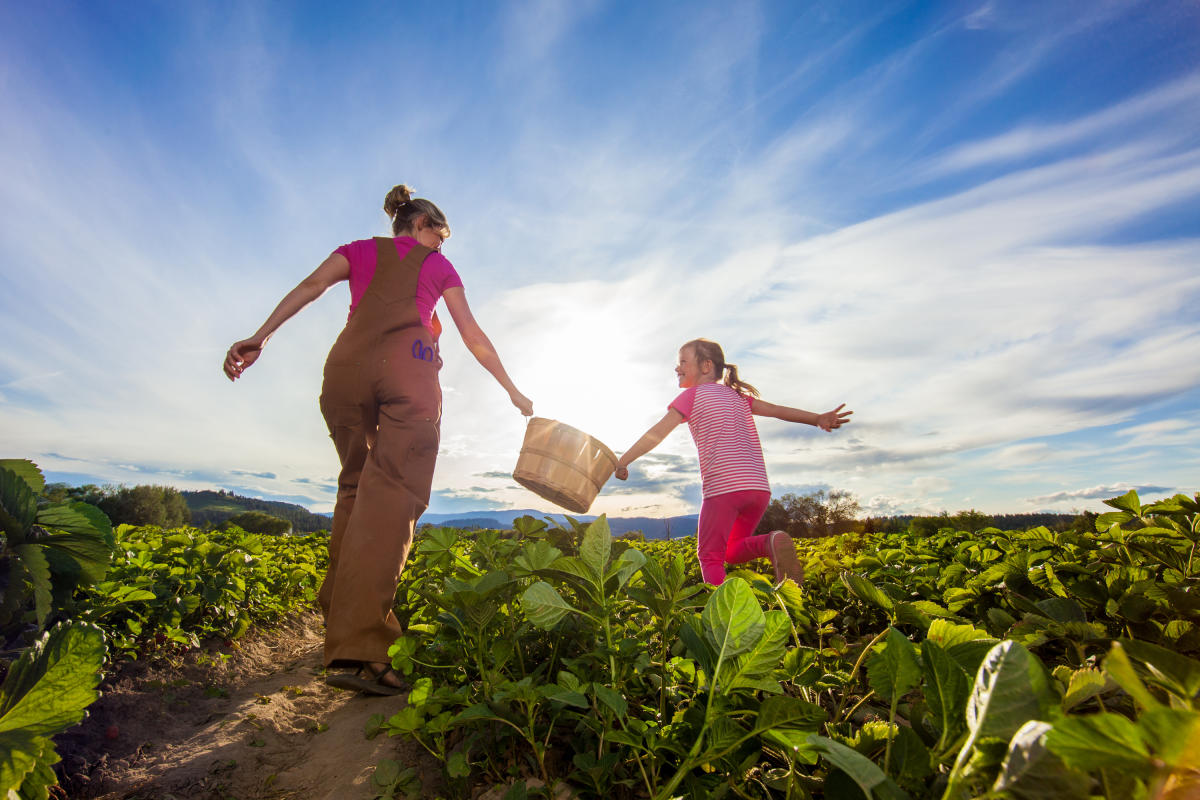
{"x": 723, "y": 195}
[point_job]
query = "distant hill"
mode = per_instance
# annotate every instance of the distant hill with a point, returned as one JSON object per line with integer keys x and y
{"x": 213, "y": 508}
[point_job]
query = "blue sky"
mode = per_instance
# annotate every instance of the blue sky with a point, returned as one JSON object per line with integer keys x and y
{"x": 977, "y": 224}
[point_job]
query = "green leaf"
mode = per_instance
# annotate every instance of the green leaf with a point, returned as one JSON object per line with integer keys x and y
{"x": 89, "y": 552}
{"x": 862, "y": 770}
{"x": 966, "y": 644}
{"x": 1126, "y": 502}
{"x": 27, "y": 471}
{"x": 535, "y": 556}
{"x": 733, "y": 620}
{"x": 1061, "y": 609}
{"x": 561, "y": 694}
{"x": 1118, "y": 667}
{"x": 1083, "y": 685}
{"x": 868, "y": 592}
{"x": 893, "y": 669}
{"x": 764, "y": 657}
{"x": 1031, "y": 772}
{"x": 48, "y": 688}
{"x": 457, "y": 765}
{"x": 1100, "y": 741}
{"x": 627, "y": 565}
{"x": 910, "y": 757}
{"x": 37, "y": 568}
{"x": 422, "y": 689}
{"x": 947, "y": 688}
{"x": 611, "y": 698}
{"x": 1178, "y": 673}
{"x": 784, "y": 712}
{"x": 387, "y": 772}
{"x": 596, "y": 546}
{"x": 1010, "y": 689}
{"x": 544, "y": 606}
{"x": 18, "y": 505}
{"x": 37, "y": 783}
{"x": 697, "y": 644}
{"x": 479, "y": 711}
{"x": 20, "y": 752}
{"x": 1173, "y": 735}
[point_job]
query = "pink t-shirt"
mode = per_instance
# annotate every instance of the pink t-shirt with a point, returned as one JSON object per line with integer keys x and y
{"x": 722, "y": 426}
{"x": 436, "y": 276}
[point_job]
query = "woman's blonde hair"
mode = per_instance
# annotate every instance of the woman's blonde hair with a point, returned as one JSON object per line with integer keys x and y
{"x": 708, "y": 350}
{"x": 404, "y": 210}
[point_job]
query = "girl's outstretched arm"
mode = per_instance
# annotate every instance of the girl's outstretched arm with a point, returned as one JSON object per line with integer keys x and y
{"x": 244, "y": 353}
{"x": 826, "y": 422}
{"x": 481, "y": 346}
{"x": 650, "y": 440}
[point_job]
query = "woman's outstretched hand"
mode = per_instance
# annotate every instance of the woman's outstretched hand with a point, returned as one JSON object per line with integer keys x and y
{"x": 241, "y": 355}
{"x": 621, "y": 473}
{"x": 523, "y": 403}
{"x": 833, "y": 419}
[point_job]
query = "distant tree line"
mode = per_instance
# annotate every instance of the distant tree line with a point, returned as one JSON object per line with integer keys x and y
{"x": 170, "y": 508}
{"x": 211, "y": 508}
{"x": 136, "y": 505}
{"x": 828, "y": 513}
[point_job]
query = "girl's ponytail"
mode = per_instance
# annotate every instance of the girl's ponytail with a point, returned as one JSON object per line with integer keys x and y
{"x": 708, "y": 350}
{"x": 735, "y": 383}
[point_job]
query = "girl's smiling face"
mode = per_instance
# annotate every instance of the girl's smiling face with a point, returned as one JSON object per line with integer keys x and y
{"x": 692, "y": 373}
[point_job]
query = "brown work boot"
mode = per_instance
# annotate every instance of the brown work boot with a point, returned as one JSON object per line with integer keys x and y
{"x": 783, "y": 556}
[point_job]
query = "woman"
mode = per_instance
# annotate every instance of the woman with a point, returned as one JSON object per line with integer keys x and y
{"x": 382, "y": 403}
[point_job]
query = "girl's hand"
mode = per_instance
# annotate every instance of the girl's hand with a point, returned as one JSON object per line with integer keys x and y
{"x": 241, "y": 355}
{"x": 833, "y": 419}
{"x": 621, "y": 473}
{"x": 523, "y": 403}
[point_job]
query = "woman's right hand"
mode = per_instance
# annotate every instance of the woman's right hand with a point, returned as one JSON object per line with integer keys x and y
{"x": 523, "y": 403}
{"x": 241, "y": 355}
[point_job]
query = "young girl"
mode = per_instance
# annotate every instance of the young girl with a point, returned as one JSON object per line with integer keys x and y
{"x": 718, "y": 408}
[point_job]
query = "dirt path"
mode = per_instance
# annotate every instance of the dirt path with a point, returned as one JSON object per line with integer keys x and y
{"x": 260, "y": 725}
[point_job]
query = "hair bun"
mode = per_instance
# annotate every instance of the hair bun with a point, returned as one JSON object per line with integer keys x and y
{"x": 398, "y": 196}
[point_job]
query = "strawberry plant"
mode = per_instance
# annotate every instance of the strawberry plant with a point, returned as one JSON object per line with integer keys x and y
{"x": 46, "y": 553}
{"x": 963, "y": 664}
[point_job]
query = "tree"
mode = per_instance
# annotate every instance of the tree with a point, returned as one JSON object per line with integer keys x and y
{"x": 144, "y": 505}
{"x": 972, "y": 521}
{"x": 811, "y": 515}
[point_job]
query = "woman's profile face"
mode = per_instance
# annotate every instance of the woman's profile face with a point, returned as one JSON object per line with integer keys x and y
{"x": 428, "y": 235}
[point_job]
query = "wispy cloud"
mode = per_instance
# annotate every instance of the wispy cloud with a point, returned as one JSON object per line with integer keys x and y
{"x": 1100, "y": 493}
{"x": 975, "y": 273}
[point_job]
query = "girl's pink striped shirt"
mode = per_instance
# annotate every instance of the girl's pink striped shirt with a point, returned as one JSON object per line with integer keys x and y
{"x": 722, "y": 426}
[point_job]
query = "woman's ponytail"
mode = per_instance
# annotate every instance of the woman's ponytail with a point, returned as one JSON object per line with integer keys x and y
{"x": 403, "y": 210}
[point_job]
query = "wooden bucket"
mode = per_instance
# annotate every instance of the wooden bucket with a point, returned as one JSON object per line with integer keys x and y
{"x": 563, "y": 464}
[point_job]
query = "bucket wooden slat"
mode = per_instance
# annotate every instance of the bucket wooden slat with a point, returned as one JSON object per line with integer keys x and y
{"x": 563, "y": 464}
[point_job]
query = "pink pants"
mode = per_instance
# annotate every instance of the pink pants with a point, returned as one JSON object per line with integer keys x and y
{"x": 723, "y": 536}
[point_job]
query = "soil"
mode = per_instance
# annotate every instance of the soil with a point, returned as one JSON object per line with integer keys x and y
{"x": 254, "y": 721}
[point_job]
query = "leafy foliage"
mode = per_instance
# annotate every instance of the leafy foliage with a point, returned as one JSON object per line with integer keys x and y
{"x": 47, "y": 552}
{"x": 175, "y": 588}
{"x": 957, "y": 664}
{"x": 45, "y": 692}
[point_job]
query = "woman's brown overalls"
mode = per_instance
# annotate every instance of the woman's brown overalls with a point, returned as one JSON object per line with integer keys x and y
{"x": 383, "y": 405}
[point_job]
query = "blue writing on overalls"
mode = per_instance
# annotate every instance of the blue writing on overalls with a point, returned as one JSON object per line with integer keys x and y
{"x": 422, "y": 351}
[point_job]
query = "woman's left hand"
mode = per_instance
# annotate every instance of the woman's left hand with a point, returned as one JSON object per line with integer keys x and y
{"x": 241, "y": 355}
